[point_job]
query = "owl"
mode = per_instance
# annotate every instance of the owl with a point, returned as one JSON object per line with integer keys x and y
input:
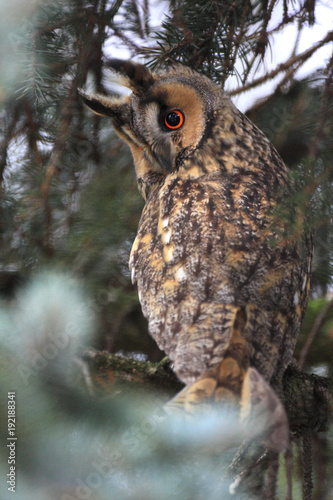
{"x": 222, "y": 282}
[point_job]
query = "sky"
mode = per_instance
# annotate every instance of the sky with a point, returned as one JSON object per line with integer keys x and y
{"x": 282, "y": 45}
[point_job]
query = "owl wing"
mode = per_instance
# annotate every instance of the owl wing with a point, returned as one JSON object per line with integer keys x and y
{"x": 176, "y": 260}
{"x": 216, "y": 289}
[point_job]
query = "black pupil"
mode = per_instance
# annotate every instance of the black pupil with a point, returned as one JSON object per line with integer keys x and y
{"x": 173, "y": 119}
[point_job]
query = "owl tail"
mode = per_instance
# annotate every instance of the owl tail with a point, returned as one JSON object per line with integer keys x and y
{"x": 233, "y": 384}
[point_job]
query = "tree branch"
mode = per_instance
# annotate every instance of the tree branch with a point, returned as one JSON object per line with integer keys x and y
{"x": 309, "y": 341}
{"x": 307, "y": 398}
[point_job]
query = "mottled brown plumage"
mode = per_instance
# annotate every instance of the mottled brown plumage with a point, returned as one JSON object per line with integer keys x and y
{"x": 222, "y": 284}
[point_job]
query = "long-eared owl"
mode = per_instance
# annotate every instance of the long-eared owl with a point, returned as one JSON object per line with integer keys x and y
{"x": 222, "y": 283}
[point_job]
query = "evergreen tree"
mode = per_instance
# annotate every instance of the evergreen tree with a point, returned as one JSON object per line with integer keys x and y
{"x": 68, "y": 195}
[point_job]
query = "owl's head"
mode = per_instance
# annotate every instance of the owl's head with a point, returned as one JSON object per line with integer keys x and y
{"x": 166, "y": 117}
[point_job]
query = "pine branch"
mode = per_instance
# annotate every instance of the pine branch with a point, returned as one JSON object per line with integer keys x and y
{"x": 131, "y": 373}
{"x": 304, "y": 56}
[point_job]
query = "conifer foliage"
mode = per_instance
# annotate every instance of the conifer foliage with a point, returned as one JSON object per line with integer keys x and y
{"x": 68, "y": 195}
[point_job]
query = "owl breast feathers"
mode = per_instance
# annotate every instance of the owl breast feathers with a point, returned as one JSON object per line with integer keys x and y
{"x": 223, "y": 286}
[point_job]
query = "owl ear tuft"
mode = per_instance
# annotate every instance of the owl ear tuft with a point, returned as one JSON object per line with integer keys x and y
{"x": 98, "y": 104}
{"x": 136, "y": 76}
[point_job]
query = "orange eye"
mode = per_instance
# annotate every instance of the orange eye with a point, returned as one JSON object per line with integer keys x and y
{"x": 174, "y": 119}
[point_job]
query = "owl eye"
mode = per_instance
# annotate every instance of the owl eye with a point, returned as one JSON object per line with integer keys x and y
{"x": 174, "y": 119}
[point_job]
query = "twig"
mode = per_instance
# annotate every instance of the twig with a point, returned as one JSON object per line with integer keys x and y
{"x": 238, "y": 459}
{"x": 237, "y": 44}
{"x": 284, "y": 66}
{"x": 307, "y": 464}
{"x": 312, "y": 335}
{"x": 32, "y": 128}
{"x": 273, "y": 469}
{"x": 321, "y": 465}
{"x": 67, "y": 115}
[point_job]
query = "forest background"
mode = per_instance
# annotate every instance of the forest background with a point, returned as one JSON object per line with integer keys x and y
{"x": 69, "y": 205}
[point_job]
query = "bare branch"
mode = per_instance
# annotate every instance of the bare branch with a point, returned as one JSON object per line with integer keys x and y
{"x": 284, "y": 66}
{"x": 312, "y": 335}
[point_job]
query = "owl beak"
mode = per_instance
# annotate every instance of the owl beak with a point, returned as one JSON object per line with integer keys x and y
{"x": 164, "y": 153}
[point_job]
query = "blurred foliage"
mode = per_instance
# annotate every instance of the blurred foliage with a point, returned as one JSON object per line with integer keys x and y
{"x": 73, "y": 444}
{"x": 69, "y": 201}
{"x": 298, "y": 120}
